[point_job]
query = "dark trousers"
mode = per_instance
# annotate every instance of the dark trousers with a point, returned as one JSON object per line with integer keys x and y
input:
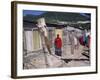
{"x": 58, "y": 51}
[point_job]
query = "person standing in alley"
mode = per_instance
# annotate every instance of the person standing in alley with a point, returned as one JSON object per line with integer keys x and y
{"x": 58, "y": 45}
{"x": 74, "y": 41}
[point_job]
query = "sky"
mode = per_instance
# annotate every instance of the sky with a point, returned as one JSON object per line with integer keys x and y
{"x": 86, "y": 15}
{"x": 32, "y": 12}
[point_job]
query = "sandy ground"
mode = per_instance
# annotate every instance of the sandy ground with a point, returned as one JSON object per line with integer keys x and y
{"x": 39, "y": 59}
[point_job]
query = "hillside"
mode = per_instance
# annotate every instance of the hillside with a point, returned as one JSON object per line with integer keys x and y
{"x": 53, "y": 17}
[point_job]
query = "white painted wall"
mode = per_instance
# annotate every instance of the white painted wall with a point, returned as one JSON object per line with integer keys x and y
{"x": 5, "y": 40}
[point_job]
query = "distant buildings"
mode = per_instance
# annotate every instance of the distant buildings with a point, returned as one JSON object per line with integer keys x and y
{"x": 32, "y": 39}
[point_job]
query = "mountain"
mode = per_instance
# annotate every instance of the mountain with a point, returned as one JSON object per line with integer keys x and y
{"x": 54, "y": 17}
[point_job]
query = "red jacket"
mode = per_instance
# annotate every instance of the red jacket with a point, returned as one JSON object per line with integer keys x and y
{"x": 58, "y": 42}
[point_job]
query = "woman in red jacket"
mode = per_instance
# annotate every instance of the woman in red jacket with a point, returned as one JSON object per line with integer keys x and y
{"x": 58, "y": 45}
